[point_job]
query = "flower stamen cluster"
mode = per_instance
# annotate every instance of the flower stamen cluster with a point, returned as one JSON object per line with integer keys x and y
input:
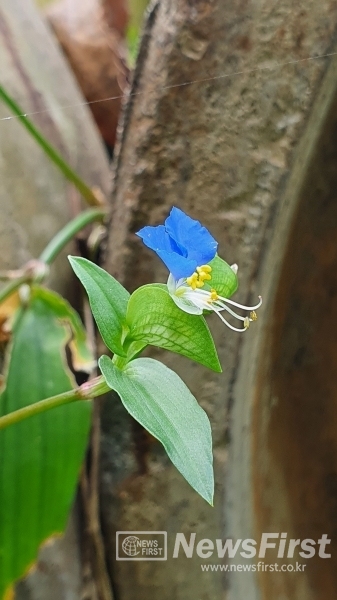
{"x": 196, "y": 301}
{"x": 198, "y": 278}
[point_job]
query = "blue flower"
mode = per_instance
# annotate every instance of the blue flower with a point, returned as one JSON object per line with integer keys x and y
{"x": 183, "y": 244}
{"x": 186, "y": 248}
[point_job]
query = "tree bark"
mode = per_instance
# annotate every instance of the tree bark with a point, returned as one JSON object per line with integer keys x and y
{"x": 236, "y": 151}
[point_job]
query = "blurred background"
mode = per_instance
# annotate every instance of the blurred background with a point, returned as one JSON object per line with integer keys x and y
{"x": 229, "y": 111}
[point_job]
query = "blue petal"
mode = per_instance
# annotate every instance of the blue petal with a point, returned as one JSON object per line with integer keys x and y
{"x": 194, "y": 240}
{"x": 178, "y": 265}
{"x": 182, "y": 243}
{"x": 156, "y": 238}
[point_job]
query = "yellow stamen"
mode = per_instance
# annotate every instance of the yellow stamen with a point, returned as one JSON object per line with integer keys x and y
{"x": 246, "y": 322}
{"x": 253, "y": 315}
{"x": 197, "y": 279}
{"x": 192, "y": 280}
{"x": 205, "y": 268}
{"x": 214, "y": 296}
{"x": 204, "y": 276}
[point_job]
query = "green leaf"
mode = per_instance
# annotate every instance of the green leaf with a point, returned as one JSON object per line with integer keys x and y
{"x": 108, "y": 300}
{"x": 153, "y": 317}
{"x": 224, "y": 280}
{"x": 160, "y": 401}
{"x": 40, "y": 457}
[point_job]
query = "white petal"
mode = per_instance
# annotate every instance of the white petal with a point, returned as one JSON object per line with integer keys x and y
{"x": 171, "y": 284}
{"x": 186, "y": 305}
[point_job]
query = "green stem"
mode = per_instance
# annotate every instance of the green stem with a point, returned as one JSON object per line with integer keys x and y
{"x": 55, "y": 246}
{"x": 51, "y": 152}
{"x": 87, "y": 391}
{"x": 68, "y": 232}
{"x": 119, "y": 361}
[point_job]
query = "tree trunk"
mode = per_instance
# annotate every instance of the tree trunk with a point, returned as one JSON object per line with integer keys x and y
{"x": 249, "y": 151}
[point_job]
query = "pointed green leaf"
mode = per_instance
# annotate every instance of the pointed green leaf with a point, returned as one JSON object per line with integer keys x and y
{"x": 40, "y": 457}
{"x": 153, "y": 317}
{"x": 224, "y": 280}
{"x": 158, "y": 399}
{"x": 108, "y": 300}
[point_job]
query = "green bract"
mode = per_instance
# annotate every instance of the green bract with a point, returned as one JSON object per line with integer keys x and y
{"x": 223, "y": 278}
{"x": 153, "y": 318}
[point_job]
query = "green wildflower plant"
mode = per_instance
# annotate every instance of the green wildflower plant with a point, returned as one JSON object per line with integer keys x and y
{"x": 171, "y": 317}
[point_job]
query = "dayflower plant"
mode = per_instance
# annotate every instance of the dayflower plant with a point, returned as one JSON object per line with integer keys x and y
{"x": 187, "y": 249}
{"x": 170, "y": 317}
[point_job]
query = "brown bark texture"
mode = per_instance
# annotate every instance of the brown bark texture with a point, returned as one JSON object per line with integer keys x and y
{"x": 249, "y": 151}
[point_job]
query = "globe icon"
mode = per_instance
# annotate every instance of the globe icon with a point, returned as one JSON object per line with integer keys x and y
{"x": 129, "y": 545}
